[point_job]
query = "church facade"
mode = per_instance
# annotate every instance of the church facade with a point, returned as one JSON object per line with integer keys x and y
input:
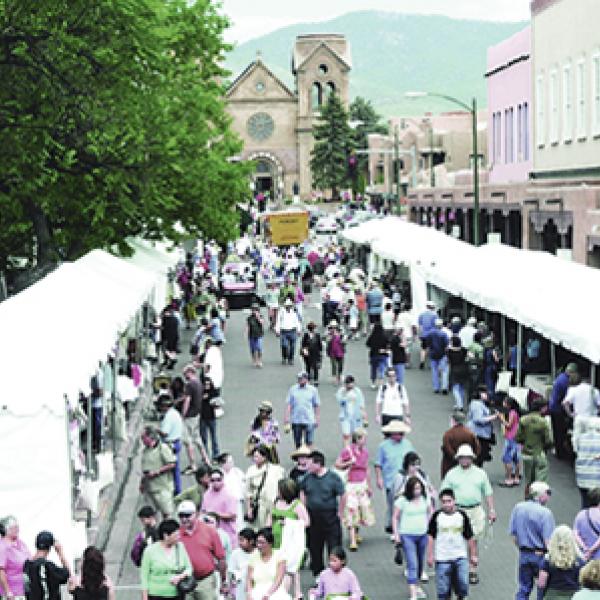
{"x": 276, "y": 123}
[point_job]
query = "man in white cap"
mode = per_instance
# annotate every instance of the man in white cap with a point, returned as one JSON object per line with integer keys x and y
{"x": 472, "y": 488}
{"x": 531, "y": 525}
{"x": 390, "y": 459}
{"x": 205, "y": 550}
{"x": 426, "y": 324}
{"x": 288, "y": 327}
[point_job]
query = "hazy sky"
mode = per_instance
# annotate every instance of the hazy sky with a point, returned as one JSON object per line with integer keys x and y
{"x": 253, "y": 18}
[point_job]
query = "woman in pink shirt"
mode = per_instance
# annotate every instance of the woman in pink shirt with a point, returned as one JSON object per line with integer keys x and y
{"x": 13, "y": 554}
{"x": 511, "y": 456}
{"x": 358, "y": 511}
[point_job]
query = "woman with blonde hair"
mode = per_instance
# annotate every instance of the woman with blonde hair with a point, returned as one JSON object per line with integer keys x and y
{"x": 559, "y": 573}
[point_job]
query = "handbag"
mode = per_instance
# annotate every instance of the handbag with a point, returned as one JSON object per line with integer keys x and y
{"x": 188, "y": 583}
{"x": 398, "y": 558}
{"x": 254, "y": 502}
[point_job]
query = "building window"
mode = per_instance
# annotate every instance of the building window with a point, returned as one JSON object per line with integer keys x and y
{"x": 525, "y": 131}
{"x": 554, "y": 91}
{"x": 580, "y": 99}
{"x": 498, "y": 141}
{"x": 330, "y": 89}
{"x": 540, "y": 111}
{"x": 323, "y": 69}
{"x": 596, "y": 93}
{"x": 567, "y": 100}
{"x": 508, "y": 135}
{"x": 493, "y": 145}
{"x": 316, "y": 96}
{"x": 519, "y": 133}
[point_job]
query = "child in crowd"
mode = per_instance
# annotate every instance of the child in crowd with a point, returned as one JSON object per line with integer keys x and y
{"x": 337, "y": 578}
{"x": 237, "y": 565}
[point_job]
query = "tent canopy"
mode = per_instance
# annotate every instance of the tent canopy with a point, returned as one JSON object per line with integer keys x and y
{"x": 554, "y": 297}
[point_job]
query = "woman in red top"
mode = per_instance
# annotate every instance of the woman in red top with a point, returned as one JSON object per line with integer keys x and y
{"x": 358, "y": 511}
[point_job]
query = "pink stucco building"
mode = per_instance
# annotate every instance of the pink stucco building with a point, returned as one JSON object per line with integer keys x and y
{"x": 510, "y": 128}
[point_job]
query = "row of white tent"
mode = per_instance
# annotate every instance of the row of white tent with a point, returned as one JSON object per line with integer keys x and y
{"x": 55, "y": 333}
{"x": 554, "y": 297}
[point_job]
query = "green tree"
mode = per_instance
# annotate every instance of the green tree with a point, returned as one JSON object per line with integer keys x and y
{"x": 333, "y": 143}
{"x": 368, "y": 121}
{"x": 113, "y": 124}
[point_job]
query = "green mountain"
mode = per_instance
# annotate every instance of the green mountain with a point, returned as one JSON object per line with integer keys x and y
{"x": 393, "y": 53}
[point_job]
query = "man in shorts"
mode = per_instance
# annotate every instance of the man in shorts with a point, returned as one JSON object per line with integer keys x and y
{"x": 471, "y": 487}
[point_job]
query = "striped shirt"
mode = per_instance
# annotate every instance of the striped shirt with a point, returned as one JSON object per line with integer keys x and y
{"x": 587, "y": 465}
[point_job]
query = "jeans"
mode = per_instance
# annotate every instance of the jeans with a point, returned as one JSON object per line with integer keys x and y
{"x": 206, "y": 426}
{"x": 97, "y": 416}
{"x": 529, "y": 567}
{"x": 378, "y": 366}
{"x": 303, "y": 429}
{"x": 452, "y": 574}
{"x": 414, "y": 549}
{"x": 389, "y": 501}
{"x": 439, "y": 373}
{"x": 399, "y": 368}
{"x": 312, "y": 368}
{"x": 489, "y": 377}
{"x": 176, "y": 445}
{"x": 288, "y": 344}
{"x": 458, "y": 389}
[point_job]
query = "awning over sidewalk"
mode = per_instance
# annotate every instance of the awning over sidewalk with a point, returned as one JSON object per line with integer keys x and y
{"x": 554, "y": 297}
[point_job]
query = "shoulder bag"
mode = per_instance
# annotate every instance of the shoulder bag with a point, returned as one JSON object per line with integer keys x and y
{"x": 255, "y": 502}
{"x": 188, "y": 584}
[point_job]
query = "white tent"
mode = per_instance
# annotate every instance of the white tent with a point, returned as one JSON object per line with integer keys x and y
{"x": 555, "y": 297}
{"x": 55, "y": 333}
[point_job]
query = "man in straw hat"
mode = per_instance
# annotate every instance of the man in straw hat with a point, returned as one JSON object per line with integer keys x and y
{"x": 390, "y": 457}
{"x": 301, "y": 457}
{"x": 471, "y": 487}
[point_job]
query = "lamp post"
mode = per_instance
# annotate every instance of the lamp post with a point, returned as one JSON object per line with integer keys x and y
{"x": 473, "y": 110}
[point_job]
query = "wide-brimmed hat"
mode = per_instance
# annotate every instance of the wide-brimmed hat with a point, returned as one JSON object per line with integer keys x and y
{"x": 304, "y": 450}
{"x": 266, "y": 405}
{"x": 396, "y": 426}
{"x": 464, "y": 450}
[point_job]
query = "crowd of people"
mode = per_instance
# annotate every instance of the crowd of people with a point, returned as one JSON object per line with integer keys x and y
{"x": 248, "y": 534}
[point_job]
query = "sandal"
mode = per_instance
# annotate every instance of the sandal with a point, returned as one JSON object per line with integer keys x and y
{"x": 506, "y": 484}
{"x": 473, "y": 578}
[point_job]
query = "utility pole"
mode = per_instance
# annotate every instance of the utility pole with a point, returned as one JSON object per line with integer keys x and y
{"x": 476, "y": 238}
{"x": 397, "y": 164}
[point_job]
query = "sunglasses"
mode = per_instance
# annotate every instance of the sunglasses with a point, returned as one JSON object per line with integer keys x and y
{"x": 185, "y": 515}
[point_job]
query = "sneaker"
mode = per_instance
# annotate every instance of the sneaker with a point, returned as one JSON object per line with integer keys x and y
{"x": 424, "y": 577}
{"x": 188, "y": 470}
{"x": 421, "y": 593}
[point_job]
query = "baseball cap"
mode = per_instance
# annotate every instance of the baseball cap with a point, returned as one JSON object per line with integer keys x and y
{"x": 303, "y": 375}
{"x": 187, "y": 507}
{"x": 44, "y": 540}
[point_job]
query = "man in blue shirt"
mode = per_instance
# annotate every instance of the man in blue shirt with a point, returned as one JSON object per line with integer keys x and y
{"x": 426, "y": 324}
{"x": 374, "y": 298}
{"x": 303, "y": 410}
{"x": 437, "y": 342}
{"x": 531, "y": 525}
{"x": 390, "y": 459}
{"x": 558, "y": 416}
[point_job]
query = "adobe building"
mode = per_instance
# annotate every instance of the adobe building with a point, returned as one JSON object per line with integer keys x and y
{"x": 276, "y": 123}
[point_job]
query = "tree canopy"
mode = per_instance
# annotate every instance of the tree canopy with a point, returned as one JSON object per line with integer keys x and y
{"x": 113, "y": 124}
{"x": 333, "y": 144}
{"x": 368, "y": 121}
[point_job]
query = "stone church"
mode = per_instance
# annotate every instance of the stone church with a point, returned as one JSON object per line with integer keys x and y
{"x": 276, "y": 123}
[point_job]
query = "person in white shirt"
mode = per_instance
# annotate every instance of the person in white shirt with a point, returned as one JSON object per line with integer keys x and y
{"x": 287, "y": 328}
{"x": 387, "y": 319}
{"x": 235, "y": 483}
{"x": 392, "y": 402}
{"x": 467, "y": 332}
{"x": 237, "y": 565}
{"x": 213, "y": 362}
{"x": 581, "y": 401}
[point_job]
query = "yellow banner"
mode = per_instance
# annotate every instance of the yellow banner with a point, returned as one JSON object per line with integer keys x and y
{"x": 288, "y": 228}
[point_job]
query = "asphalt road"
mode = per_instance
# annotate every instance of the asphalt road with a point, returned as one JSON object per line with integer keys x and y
{"x": 245, "y": 386}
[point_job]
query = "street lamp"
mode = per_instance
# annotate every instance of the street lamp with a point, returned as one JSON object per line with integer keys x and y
{"x": 473, "y": 110}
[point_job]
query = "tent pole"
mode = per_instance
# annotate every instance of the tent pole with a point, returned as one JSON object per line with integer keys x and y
{"x": 70, "y": 455}
{"x": 503, "y": 333}
{"x": 519, "y": 353}
{"x": 113, "y": 399}
{"x": 553, "y": 360}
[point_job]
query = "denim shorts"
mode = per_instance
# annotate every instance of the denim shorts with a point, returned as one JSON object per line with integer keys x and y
{"x": 511, "y": 453}
{"x": 452, "y": 574}
{"x": 256, "y": 344}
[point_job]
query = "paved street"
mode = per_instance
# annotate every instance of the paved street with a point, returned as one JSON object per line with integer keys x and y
{"x": 380, "y": 578}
